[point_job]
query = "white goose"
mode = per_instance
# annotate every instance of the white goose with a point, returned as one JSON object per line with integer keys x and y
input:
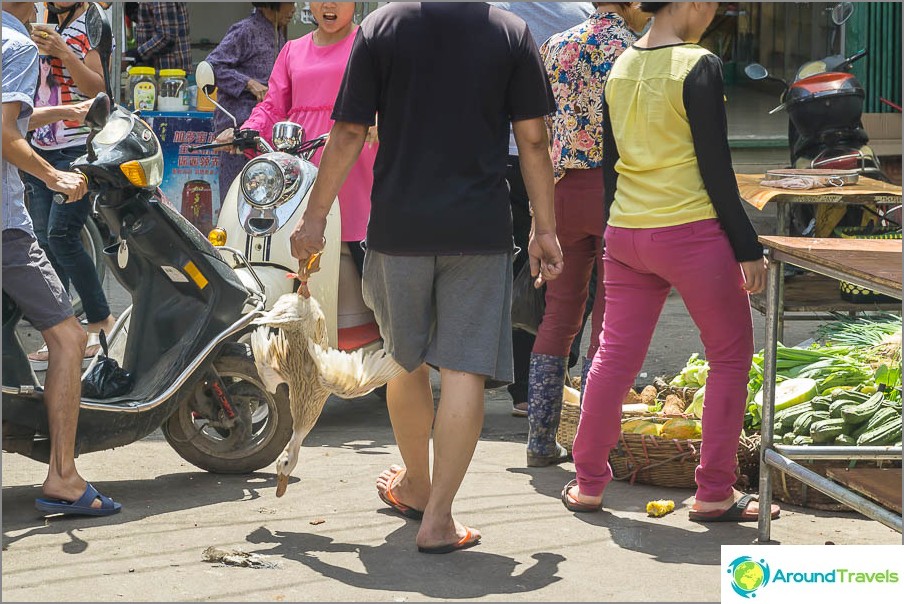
{"x": 298, "y": 354}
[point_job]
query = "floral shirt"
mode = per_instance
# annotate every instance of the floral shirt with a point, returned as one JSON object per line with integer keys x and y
{"x": 578, "y": 61}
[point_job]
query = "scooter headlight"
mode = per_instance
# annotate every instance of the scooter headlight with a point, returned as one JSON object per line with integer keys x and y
{"x": 262, "y": 182}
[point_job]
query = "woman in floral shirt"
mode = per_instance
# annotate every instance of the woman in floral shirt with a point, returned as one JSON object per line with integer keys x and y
{"x": 577, "y": 61}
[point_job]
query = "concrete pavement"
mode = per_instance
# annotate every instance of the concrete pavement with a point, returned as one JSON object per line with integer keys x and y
{"x": 333, "y": 540}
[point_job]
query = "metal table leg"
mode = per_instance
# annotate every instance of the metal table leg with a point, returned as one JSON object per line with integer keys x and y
{"x": 773, "y": 296}
{"x": 783, "y": 226}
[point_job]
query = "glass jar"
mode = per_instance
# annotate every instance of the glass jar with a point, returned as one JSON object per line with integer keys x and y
{"x": 172, "y": 94}
{"x": 143, "y": 88}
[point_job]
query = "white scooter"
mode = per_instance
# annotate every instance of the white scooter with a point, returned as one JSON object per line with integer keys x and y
{"x": 257, "y": 217}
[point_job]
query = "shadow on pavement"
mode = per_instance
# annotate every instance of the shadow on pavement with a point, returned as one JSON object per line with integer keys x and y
{"x": 396, "y": 565}
{"x": 660, "y": 539}
{"x": 140, "y": 499}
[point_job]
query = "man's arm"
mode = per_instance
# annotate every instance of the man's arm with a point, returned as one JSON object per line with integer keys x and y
{"x": 536, "y": 169}
{"x": 19, "y": 153}
{"x": 48, "y": 115}
{"x": 341, "y": 152}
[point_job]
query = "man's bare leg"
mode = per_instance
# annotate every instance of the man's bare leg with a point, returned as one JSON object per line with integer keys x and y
{"x": 459, "y": 419}
{"x": 410, "y": 402}
{"x": 62, "y": 394}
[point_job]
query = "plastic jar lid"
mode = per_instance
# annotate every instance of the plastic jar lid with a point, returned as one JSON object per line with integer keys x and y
{"x": 169, "y": 73}
{"x": 142, "y": 71}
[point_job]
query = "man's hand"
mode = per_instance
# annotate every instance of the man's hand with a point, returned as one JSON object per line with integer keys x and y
{"x": 545, "y": 256}
{"x": 49, "y": 42}
{"x": 73, "y": 185}
{"x": 78, "y": 111}
{"x": 257, "y": 89}
{"x": 755, "y": 275}
{"x": 307, "y": 244}
{"x": 227, "y": 136}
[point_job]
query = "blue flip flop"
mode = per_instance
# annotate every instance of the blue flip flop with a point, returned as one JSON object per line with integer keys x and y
{"x": 82, "y": 507}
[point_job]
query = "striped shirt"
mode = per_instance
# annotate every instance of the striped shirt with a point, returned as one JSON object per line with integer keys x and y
{"x": 56, "y": 87}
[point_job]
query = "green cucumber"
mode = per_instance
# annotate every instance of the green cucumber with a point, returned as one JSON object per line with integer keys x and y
{"x": 826, "y": 430}
{"x": 885, "y": 434}
{"x": 863, "y": 411}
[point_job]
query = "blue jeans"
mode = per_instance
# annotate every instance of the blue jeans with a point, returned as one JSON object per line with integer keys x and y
{"x": 58, "y": 229}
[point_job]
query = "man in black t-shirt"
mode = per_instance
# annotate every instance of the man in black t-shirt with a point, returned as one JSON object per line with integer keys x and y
{"x": 446, "y": 81}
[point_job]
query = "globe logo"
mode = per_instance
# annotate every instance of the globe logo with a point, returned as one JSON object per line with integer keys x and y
{"x": 748, "y": 575}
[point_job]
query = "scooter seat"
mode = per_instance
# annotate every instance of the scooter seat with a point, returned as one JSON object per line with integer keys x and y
{"x": 352, "y": 338}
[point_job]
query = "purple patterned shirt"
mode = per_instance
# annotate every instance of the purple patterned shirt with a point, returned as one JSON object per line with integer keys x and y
{"x": 248, "y": 51}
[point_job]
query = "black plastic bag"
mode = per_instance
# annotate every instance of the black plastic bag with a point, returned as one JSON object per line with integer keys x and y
{"x": 528, "y": 302}
{"x": 106, "y": 379}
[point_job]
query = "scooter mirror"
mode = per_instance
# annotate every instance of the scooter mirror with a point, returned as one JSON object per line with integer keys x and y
{"x": 755, "y": 71}
{"x": 204, "y": 77}
{"x": 94, "y": 27}
{"x": 206, "y": 80}
{"x": 100, "y": 36}
{"x": 842, "y": 12}
{"x": 99, "y": 112}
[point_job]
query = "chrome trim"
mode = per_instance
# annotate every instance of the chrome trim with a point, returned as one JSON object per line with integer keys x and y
{"x": 25, "y": 390}
{"x": 243, "y": 260}
{"x": 281, "y": 214}
{"x": 243, "y": 322}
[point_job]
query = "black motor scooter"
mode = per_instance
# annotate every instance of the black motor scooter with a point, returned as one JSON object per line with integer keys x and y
{"x": 825, "y": 106}
{"x": 180, "y": 339}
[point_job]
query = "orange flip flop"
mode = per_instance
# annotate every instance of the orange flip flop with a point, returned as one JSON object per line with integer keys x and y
{"x": 389, "y": 498}
{"x": 469, "y": 540}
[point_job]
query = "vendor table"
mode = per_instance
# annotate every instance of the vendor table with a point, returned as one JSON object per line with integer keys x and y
{"x": 872, "y": 263}
{"x": 813, "y": 293}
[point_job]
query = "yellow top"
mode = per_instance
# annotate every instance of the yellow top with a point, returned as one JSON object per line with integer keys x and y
{"x": 659, "y": 181}
{"x": 171, "y": 73}
{"x": 134, "y": 71}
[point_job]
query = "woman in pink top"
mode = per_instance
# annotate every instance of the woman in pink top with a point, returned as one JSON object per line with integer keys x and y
{"x": 303, "y": 88}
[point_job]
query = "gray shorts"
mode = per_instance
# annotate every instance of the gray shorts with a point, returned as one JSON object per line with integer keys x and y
{"x": 453, "y": 312}
{"x": 29, "y": 279}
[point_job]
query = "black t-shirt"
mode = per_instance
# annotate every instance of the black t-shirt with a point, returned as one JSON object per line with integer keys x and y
{"x": 445, "y": 79}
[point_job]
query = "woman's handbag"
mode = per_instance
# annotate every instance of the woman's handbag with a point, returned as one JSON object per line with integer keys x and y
{"x": 528, "y": 302}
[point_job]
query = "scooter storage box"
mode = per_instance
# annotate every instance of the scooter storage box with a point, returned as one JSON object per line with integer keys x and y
{"x": 826, "y": 101}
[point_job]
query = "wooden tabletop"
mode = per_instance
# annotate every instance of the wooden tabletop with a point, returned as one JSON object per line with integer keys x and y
{"x": 867, "y": 190}
{"x": 872, "y": 263}
{"x": 882, "y": 485}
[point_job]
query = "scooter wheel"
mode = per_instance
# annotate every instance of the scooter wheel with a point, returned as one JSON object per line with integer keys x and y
{"x": 244, "y": 448}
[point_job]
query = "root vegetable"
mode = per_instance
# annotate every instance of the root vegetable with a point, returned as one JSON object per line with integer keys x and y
{"x": 648, "y": 395}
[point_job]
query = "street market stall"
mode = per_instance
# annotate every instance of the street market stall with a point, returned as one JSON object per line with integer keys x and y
{"x": 875, "y": 264}
{"x": 814, "y": 295}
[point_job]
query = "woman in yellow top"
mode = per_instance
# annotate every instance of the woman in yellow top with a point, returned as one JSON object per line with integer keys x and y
{"x": 675, "y": 220}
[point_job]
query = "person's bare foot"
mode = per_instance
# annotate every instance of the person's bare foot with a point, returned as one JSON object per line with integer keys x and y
{"x": 106, "y": 325}
{"x": 575, "y": 494}
{"x": 395, "y": 485}
{"x": 67, "y": 490}
{"x": 446, "y": 532}
{"x": 753, "y": 507}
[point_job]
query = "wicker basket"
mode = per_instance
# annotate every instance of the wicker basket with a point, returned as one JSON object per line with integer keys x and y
{"x": 571, "y": 413}
{"x": 658, "y": 461}
{"x": 790, "y": 490}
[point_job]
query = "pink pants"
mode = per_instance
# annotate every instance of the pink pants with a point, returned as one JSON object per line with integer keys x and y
{"x": 580, "y": 221}
{"x": 642, "y": 265}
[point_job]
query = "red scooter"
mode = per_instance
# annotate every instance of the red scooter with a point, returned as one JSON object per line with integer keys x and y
{"x": 825, "y": 105}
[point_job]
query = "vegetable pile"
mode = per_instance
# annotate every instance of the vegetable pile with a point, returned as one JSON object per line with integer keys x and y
{"x": 845, "y": 389}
